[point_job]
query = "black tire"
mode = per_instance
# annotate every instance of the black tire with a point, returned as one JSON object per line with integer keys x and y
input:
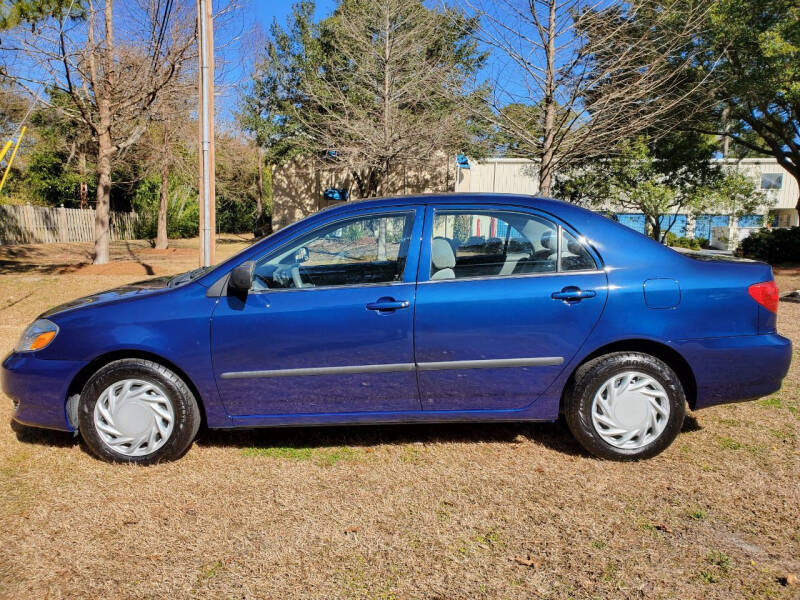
{"x": 589, "y": 378}
{"x": 184, "y": 406}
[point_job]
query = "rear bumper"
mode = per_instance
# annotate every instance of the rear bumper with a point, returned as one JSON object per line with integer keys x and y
{"x": 733, "y": 369}
{"x": 38, "y": 389}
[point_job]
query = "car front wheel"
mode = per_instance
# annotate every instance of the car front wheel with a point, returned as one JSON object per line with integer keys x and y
{"x": 137, "y": 411}
{"x": 625, "y": 406}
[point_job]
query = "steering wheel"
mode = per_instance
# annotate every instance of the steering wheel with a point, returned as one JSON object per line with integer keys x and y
{"x": 289, "y": 276}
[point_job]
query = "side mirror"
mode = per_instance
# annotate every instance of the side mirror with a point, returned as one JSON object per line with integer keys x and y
{"x": 241, "y": 278}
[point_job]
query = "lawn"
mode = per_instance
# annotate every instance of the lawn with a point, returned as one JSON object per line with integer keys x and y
{"x": 433, "y": 512}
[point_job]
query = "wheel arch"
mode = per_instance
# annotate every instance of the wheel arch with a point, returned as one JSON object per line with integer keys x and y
{"x": 670, "y": 356}
{"x": 83, "y": 376}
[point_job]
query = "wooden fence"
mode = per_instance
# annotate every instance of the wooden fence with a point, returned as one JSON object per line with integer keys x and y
{"x": 44, "y": 224}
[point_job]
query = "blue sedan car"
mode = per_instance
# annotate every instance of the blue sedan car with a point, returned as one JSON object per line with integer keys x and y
{"x": 398, "y": 310}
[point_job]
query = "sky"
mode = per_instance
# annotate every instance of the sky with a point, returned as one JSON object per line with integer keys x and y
{"x": 236, "y": 41}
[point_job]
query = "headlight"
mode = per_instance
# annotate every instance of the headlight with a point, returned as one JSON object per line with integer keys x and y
{"x": 38, "y": 335}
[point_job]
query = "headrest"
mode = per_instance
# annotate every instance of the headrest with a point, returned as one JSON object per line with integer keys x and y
{"x": 574, "y": 247}
{"x": 548, "y": 239}
{"x": 442, "y": 255}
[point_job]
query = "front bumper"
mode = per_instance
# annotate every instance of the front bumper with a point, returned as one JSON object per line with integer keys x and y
{"x": 733, "y": 369}
{"x": 38, "y": 389}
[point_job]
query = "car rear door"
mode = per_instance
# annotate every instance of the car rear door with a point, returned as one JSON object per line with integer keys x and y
{"x": 497, "y": 320}
{"x": 328, "y": 324}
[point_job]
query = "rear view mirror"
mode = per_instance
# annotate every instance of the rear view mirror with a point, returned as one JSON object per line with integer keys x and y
{"x": 241, "y": 278}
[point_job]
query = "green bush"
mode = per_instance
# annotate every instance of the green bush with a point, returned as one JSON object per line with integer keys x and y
{"x": 773, "y": 245}
{"x": 182, "y": 212}
{"x": 235, "y": 215}
{"x": 683, "y": 242}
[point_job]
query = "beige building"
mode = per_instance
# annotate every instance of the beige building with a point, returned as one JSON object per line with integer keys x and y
{"x": 518, "y": 176}
{"x": 298, "y": 188}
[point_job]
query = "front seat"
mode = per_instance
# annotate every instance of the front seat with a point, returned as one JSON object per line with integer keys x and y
{"x": 443, "y": 260}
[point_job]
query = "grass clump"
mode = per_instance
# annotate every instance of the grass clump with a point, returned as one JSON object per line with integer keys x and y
{"x": 698, "y": 514}
{"x": 720, "y": 564}
{"x": 771, "y": 402}
{"x": 708, "y": 577}
{"x": 321, "y": 456}
{"x": 727, "y": 443}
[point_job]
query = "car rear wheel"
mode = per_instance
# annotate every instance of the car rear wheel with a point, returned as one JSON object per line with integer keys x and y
{"x": 625, "y": 406}
{"x": 137, "y": 411}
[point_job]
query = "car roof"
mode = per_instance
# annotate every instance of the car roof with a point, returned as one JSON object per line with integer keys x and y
{"x": 451, "y": 198}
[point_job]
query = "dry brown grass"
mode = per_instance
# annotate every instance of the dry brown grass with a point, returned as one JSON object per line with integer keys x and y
{"x": 392, "y": 512}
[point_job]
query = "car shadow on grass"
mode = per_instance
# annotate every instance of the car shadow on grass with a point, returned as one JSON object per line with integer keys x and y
{"x": 44, "y": 437}
{"x": 555, "y": 436}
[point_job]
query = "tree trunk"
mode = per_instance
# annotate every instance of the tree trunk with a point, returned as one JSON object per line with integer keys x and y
{"x": 655, "y": 229}
{"x": 105, "y": 145}
{"x": 382, "y": 239}
{"x": 726, "y": 127}
{"x": 260, "y": 198}
{"x": 162, "y": 240}
{"x": 83, "y": 186}
{"x": 102, "y": 207}
{"x": 548, "y": 150}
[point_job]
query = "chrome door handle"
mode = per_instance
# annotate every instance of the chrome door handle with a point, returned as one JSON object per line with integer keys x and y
{"x": 573, "y": 294}
{"x": 387, "y": 304}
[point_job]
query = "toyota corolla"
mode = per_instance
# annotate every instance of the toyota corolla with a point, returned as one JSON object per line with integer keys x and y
{"x": 399, "y": 310}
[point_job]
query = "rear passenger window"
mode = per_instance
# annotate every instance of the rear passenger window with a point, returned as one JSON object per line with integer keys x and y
{"x": 490, "y": 244}
{"x": 471, "y": 244}
{"x": 574, "y": 256}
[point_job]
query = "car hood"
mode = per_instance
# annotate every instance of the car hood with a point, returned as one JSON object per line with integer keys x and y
{"x": 131, "y": 290}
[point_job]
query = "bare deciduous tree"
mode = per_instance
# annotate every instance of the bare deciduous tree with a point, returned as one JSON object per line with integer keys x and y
{"x": 168, "y": 144}
{"x": 592, "y": 73}
{"x": 378, "y": 84}
{"x": 113, "y": 61}
{"x": 389, "y": 90}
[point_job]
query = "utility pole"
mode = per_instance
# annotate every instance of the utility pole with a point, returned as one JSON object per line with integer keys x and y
{"x": 206, "y": 91}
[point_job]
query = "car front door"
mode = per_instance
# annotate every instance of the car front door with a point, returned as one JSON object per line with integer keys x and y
{"x": 328, "y": 325}
{"x": 505, "y": 298}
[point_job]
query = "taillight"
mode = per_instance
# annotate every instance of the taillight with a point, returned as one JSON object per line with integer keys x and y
{"x": 766, "y": 294}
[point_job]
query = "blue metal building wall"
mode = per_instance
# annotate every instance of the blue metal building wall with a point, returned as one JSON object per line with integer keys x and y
{"x": 634, "y": 221}
{"x": 678, "y": 227}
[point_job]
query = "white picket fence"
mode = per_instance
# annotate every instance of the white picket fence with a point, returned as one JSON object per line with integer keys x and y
{"x": 26, "y": 224}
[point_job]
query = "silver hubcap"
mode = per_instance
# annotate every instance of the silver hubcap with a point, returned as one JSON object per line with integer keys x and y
{"x": 134, "y": 417}
{"x": 630, "y": 410}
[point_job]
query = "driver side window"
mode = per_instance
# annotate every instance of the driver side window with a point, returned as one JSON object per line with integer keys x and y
{"x": 363, "y": 250}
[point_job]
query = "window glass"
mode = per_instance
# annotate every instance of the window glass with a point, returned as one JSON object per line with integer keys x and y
{"x": 574, "y": 256}
{"x": 485, "y": 244}
{"x": 771, "y": 181}
{"x": 363, "y": 250}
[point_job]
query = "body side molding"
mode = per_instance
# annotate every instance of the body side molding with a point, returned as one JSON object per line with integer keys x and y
{"x": 503, "y": 363}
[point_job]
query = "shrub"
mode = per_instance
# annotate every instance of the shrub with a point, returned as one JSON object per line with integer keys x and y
{"x": 182, "y": 212}
{"x": 773, "y": 245}
{"x": 235, "y": 215}
{"x": 683, "y": 242}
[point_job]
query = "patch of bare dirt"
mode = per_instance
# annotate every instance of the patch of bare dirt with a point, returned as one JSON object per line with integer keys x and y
{"x": 118, "y": 267}
{"x": 787, "y": 277}
{"x": 166, "y": 251}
